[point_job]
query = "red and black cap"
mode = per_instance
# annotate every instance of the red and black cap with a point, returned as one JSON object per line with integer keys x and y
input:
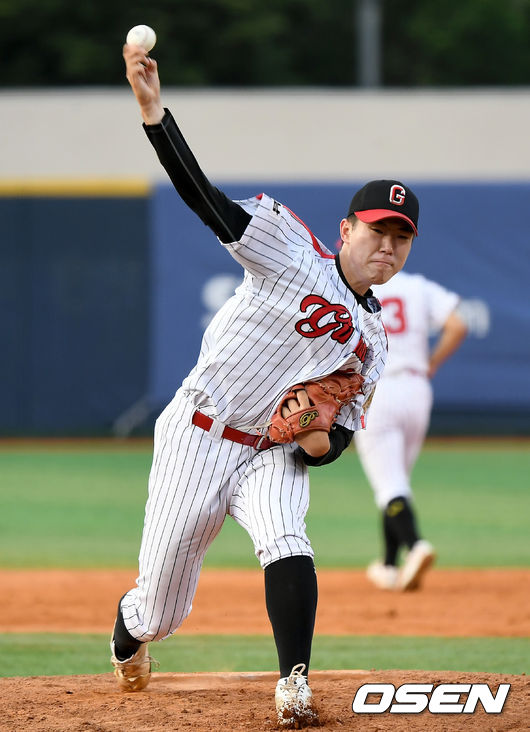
{"x": 384, "y": 199}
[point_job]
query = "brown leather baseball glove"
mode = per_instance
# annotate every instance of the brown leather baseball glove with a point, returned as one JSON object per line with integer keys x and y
{"x": 326, "y": 396}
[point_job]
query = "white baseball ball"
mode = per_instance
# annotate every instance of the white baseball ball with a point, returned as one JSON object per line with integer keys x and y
{"x": 142, "y": 35}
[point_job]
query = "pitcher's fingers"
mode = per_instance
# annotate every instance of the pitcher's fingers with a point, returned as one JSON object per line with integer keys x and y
{"x": 303, "y": 398}
{"x": 290, "y": 406}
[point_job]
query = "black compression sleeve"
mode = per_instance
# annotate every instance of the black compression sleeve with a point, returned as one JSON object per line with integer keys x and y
{"x": 226, "y": 218}
{"x": 339, "y": 438}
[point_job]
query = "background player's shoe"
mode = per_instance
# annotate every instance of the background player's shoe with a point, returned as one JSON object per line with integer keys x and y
{"x": 294, "y": 701}
{"x": 383, "y": 575}
{"x": 134, "y": 673}
{"x": 418, "y": 561}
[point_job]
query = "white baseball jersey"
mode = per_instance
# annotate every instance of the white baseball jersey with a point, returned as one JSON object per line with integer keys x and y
{"x": 293, "y": 319}
{"x": 413, "y": 309}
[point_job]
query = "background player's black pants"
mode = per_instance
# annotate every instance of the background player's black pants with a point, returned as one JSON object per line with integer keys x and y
{"x": 399, "y": 528}
{"x": 291, "y": 597}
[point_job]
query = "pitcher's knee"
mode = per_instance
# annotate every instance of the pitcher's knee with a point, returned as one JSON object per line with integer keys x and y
{"x": 154, "y": 624}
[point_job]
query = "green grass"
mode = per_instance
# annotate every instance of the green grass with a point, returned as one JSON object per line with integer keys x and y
{"x": 72, "y": 508}
{"x": 83, "y": 507}
{"x": 51, "y": 655}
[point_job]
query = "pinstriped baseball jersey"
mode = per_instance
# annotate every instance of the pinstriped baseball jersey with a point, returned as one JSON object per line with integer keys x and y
{"x": 292, "y": 319}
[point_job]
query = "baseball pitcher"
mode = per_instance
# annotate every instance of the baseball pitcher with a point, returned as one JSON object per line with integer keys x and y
{"x": 282, "y": 381}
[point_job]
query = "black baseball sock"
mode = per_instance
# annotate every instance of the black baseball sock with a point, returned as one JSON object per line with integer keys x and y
{"x": 291, "y": 598}
{"x": 400, "y": 526}
{"x": 391, "y": 543}
{"x": 125, "y": 645}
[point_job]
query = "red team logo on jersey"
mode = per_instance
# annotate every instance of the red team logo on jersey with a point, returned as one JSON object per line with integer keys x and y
{"x": 361, "y": 349}
{"x": 312, "y": 327}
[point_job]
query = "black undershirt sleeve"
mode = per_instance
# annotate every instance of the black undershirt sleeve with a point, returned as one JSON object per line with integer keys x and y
{"x": 339, "y": 438}
{"x": 227, "y": 219}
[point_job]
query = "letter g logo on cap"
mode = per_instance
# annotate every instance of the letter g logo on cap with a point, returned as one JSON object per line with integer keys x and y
{"x": 397, "y": 195}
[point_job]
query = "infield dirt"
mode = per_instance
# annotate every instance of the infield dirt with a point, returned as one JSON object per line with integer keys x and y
{"x": 481, "y": 602}
{"x": 453, "y": 603}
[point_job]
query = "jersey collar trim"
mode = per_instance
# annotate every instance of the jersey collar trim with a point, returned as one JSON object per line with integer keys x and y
{"x": 368, "y": 302}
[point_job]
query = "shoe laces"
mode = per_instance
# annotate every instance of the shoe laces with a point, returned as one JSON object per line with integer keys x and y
{"x": 297, "y": 674}
{"x": 153, "y": 661}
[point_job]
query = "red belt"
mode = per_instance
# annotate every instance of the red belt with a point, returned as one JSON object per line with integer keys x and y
{"x": 258, "y": 442}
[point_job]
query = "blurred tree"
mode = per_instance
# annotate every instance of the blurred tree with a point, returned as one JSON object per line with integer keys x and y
{"x": 278, "y": 43}
{"x": 457, "y": 42}
{"x": 200, "y": 42}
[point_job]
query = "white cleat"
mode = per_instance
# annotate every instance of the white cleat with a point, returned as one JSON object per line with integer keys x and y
{"x": 418, "y": 561}
{"x": 383, "y": 576}
{"x": 134, "y": 673}
{"x": 294, "y": 701}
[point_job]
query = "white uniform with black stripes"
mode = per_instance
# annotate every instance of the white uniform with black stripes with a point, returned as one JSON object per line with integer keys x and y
{"x": 292, "y": 319}
{"x": 414, "y": 308}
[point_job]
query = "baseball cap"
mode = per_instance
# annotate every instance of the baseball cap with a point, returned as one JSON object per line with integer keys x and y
{"x": 384, "y": 199}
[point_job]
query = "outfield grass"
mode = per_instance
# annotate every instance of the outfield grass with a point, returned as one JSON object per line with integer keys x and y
{"x": 58, "y": 655}
{"x": 76, "y": 507}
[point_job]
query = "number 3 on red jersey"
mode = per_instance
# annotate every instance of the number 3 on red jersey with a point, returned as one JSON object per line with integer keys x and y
{"x": 394, "y": 315}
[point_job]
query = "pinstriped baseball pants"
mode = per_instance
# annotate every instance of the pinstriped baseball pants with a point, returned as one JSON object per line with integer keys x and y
{"x": 195, "y": 481}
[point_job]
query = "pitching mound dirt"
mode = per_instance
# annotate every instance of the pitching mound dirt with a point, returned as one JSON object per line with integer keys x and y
{"x": 235, "y": 703}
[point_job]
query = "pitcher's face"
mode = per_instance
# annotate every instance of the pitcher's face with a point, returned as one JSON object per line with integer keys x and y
{"x": 372, "y": 253}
